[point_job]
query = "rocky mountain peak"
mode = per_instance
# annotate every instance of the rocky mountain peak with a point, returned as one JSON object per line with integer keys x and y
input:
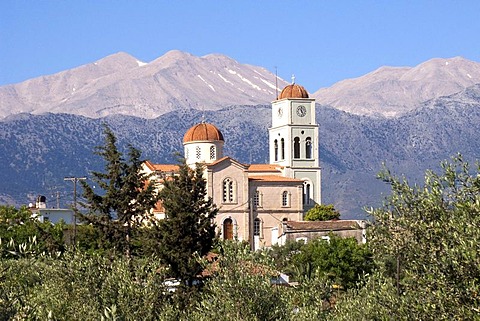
{"x": 393, "y": 91}
{"x": 119, "y": 60}
{"x": 121, "y": 84}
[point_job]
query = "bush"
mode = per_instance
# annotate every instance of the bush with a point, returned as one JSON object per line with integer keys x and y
{"x": 322, "y": 213}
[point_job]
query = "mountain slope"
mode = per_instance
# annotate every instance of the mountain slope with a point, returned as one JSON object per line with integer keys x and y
{"x": 393, "y": 91}
{"x": 37, "y": 151}
{"x": 120, "y": 84}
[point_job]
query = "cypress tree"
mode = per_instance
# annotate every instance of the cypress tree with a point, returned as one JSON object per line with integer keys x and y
{"x": 125, "y": 198}
{"x": 188, "y": 231}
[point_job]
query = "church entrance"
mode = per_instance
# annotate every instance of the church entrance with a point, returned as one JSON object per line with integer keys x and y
{"x": 228, "y": 229}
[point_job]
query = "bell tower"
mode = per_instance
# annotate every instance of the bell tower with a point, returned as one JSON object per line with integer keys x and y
{"x": 294, "y": 140}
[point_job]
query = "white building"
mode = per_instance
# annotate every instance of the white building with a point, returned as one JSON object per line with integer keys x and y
{"x": 52, "y": 215}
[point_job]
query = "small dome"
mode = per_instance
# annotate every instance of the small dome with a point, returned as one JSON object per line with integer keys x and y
{"x": 293, "y": 91}
{"x": 203, "y": 132}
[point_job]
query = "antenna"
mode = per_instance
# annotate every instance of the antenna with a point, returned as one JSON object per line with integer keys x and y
{"x": 276, "y": 83}
{"x": 203, "y": 114}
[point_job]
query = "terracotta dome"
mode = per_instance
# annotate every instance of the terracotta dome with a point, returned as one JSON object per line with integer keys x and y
{"x": 293, "y": 91}
{"x": 203, "y": 132}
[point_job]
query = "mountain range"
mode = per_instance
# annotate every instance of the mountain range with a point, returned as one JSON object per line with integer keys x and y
{"x": 393, "y": 91}
{"x": 121, "y": 84}
{"x": 430, "y": 122}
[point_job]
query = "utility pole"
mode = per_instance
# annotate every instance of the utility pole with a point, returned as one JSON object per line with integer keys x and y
{"x": 74, "y": 180}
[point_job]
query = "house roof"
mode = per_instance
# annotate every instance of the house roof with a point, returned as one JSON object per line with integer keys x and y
{"x": 274, "y": 178}
{"x": 252, "y": 268}
{"x": 264, "y": 168}
{"x": 226, "y": 158}
{"x": 161, "y": 167}
{"x": 333, "y": 225}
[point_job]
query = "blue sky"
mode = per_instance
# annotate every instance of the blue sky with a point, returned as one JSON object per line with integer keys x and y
{"x": 321, "y": 42}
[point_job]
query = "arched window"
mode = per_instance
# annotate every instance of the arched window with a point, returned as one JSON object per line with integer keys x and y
{"x": 285, "y": 199}
{"x": 228, "y": 229}
{"x": 308, "y": 147}
{"x": 198, "y": 152}
{"x": 282, "y": 143}
{"x": 228, "y": 191}
{"x": 257, "y": 226}
{"x": 275, "y": 148}
{"x": 306, "y": 193}
{"x": 296, "y": 147}
{"x": 212, "y": 152}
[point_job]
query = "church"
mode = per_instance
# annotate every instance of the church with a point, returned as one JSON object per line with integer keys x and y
{"x": 256, "y": 200}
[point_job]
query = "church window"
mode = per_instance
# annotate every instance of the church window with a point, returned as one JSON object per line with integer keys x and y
{"x": 212, "y": 152}
{"x": 257, "y": 227}
{"x": 275, "y": 149}
{"x": 285, "y": 199}
{"x": 256, "y": 199}
{"x": 306, "y": 193}
{"x": 186, "y": 153}
{"x": 282, "y": 143}
{"x": 228, "y": 229}
{"x": 296, "y": 147}
{"x": 198, "y": 152}
{"x": 228, "y": 191}
{"x": 308, "y": 147}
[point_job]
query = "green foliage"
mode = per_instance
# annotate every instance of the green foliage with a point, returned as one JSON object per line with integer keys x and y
{"x": 426, "y": 242}
{"x": 188, "y": 232}
{"x": 322, "y": 212}
{"x": 241, "y": 289}
{"x": 17, "y": 227}
{"x": 125, "y": 197}
{"x": 282, "y": 255}
{"x": 80, "y": 287}
{"x": 341, "y": 260}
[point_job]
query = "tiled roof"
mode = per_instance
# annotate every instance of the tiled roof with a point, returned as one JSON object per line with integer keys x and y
{"x": 274, "y": 178}
{"x": 203, "y": 132}
{"x": 293, "y": 91}
{"x": 162, "y": 167}
{"x": 225, "y": 158}
{"x": 159, "y": 207}
{"x": 218, "y": 161}
{"x": 263, "y": 168}
{"x": 166, "y": 167}
{"x": 333, "y": 225}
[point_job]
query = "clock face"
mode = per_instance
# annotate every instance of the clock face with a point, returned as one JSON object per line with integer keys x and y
{"x": 280, "y": 111}
{"x": 301, "y": 111}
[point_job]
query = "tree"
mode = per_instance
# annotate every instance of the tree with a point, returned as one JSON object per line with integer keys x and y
{"x": 341, "y": 260}
{"x": 80, "y": 286}
{"x": 188, "y": 230}
{"x": 17, "y": 226}
{"x": 240, "y": 288}
{"x": 425, "y": 241}
{"x": 322, "y": 212}
{"x": 127, "y": 194}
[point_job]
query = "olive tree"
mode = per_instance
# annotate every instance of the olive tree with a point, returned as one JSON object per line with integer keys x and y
{"x": 425, "y": 240}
